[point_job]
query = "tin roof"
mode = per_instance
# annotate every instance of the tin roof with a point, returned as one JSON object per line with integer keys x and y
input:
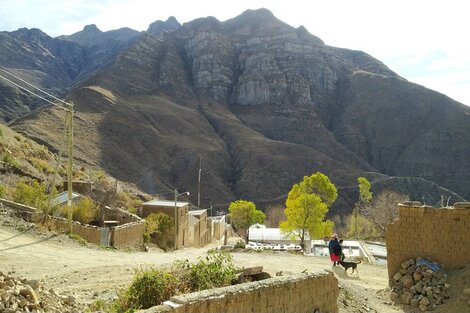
{"x": 166, "y": 203}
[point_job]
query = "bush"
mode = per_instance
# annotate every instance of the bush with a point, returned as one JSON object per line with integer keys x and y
{"x": 33, "y": 194}
{"x": 10, "y": 161}
{"x": 2, "y": 190}
{"x": 149, "y": 288}
{"x": 160, "y": 229}
{"x": 85, "y": 211}
{"x": 240, "y": 244}
{"x": 212, "y": 271}
{"x": 153, "y": 286}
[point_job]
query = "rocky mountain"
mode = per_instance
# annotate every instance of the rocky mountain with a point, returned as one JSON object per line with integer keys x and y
{"x": 262, "y": 104}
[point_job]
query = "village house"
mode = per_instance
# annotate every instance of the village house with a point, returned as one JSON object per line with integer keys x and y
{"x": 178, "y": 211}
{"x": 198, "y": 228}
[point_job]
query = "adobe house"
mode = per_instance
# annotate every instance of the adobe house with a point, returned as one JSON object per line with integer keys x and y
{"x": 216, "y": 227}
{"x": 168, "y": 207}
{"x": 198, "y": 228}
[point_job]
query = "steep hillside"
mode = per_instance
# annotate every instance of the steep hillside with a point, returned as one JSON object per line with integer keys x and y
{"x": 263, "y": 104}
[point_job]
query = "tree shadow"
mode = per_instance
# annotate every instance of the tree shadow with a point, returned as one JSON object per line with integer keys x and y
{"x": 29, "y": 244}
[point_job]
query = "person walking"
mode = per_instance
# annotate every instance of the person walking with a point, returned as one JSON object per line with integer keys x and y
{"x": 335, "y": 249}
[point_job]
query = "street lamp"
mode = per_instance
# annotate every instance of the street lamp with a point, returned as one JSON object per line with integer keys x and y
{"x": 176, "y": 215}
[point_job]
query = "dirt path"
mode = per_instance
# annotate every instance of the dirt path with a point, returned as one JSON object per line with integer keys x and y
{"x": 89, "y": 273}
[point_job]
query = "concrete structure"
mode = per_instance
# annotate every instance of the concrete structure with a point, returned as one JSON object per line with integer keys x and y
{"x": 442, "y": 235}
{"x": 301, "y": 293}
{"x": 168, "y": 207}
{"x": 262, "y": 234}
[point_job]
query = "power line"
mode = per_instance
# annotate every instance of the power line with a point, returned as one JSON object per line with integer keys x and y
{"x": 37, "y": 88}
{"x": 33, "y": 93}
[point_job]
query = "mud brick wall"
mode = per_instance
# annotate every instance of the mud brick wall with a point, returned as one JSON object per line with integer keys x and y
{"x": 87, "y": 232}
{"x": 130, "y": 235}
{"x": 123, "y": 217}
{"x": 442, "y": 235}
{"x": 302, "y": 293}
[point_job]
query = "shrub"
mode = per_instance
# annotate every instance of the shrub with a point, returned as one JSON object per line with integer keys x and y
{"x": 85, "y": 211}
{"x": 159, "y": 229}
{"x": 42, "y": 166}
{"x": 212, "y": 271}
{"x": 33, "y": 194}
{"x": 149, "y": 288}
{"x": 2, "y": 190}
{"x": 10, "y": 161}
{"x": 240, "y": 244}
{"x": 78, "y": 239}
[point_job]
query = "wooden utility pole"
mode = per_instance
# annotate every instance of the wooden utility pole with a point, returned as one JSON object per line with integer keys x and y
{"x": 199, "y": 185}
{"x": 70, "y": 165}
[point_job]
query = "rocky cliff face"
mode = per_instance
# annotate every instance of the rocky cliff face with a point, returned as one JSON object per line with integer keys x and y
{"x": 263, "y": 104}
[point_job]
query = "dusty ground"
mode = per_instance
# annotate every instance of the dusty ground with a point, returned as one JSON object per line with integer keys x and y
{"x": 90, "y": 273}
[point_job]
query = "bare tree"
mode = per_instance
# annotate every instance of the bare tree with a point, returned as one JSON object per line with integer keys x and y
{"x": 383, "y": 209}
{"x": 274, "y": 215}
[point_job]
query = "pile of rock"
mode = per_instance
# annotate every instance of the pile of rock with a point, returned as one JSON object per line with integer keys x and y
{"x": 420, "y": 286}
{"x": 22, "y": 295}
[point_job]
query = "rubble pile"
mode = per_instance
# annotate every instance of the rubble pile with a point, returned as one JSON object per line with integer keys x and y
{"x": 22, "y": 295}
{"x": 422, "y": 285}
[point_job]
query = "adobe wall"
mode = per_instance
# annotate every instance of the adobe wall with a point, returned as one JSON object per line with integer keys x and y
{"x": 442, "y": 235}
{"x": 302, "y": 293}
{"x": 130, "y": 235}
{"x": 123, "y": 217}
{"x": 87, "y": 232}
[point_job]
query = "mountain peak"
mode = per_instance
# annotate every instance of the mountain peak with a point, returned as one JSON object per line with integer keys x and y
{"x": 158, "y": 26}
{"x": 91, "y": 28}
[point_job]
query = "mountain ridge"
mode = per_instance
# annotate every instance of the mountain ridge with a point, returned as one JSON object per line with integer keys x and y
{"x": 263, "y": 107}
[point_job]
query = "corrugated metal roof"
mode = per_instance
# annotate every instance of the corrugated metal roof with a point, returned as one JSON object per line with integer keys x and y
{"x": 166, "y": 203}
{"x": 62, "y": 198}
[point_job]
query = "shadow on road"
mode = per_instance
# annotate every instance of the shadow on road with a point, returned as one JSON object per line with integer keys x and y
{"x": 19, "y": 234}
{"x": 28, "y": 244}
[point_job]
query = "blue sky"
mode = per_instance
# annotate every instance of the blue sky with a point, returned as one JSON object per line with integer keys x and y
{"x": 423, "y": 41}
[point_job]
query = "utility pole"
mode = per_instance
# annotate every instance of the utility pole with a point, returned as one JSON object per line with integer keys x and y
{"x": 70, "y": 165}
{"x": 199, "y": 185}
{"x": 176, "y": 221}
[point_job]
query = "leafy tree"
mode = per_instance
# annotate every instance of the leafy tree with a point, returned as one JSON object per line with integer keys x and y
{"x": 365, "y": 197}
{"x": 360, "y": 227}
{"x": 318, "y": 184}
{"x": 243, "y": 214}
{"x": 160, "y": 228}
{"x": 306, "y": 216}
{"x": 274, "y": 215}
{"x": 306, "y": 207}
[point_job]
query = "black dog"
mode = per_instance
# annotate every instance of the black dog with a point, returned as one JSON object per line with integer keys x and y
{"x": 352, "y": 265}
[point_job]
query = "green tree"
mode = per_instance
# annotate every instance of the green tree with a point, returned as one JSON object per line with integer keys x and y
{"x": 243, "y": 214}
{"x": 32, "y": 194}
{"x": 365, "y": 198}
{"x": 318, "y": 184}
{"x": 160, "y": 229}
{"x": 306, "y": 207}
{"x": 306, "y": 216}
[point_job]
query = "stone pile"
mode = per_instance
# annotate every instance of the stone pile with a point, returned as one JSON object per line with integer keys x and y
{"x": 419, "y": 286}
{"x": 19, "y": 295}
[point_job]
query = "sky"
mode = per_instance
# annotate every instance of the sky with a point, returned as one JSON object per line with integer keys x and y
{"x": 424, "y": 41}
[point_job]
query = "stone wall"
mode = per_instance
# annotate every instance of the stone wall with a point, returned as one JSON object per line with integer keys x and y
{"x": 302, "y": 293}
{"x": 442, "y": 235}
{"x": 130, "y": 235}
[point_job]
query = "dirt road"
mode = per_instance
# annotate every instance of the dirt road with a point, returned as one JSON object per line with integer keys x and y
{"x": 89, "y": 273}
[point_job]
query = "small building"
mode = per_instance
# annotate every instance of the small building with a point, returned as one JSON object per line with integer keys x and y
{"x": 177, "y": 211}
{"x": 60, "y": 201}
{"x": 198, "y": 228}
{"x": 216, "y": 227}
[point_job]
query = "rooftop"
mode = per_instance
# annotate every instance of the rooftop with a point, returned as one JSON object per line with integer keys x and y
{"x": 62, "y": 198}
{"x": 166, "y": 203}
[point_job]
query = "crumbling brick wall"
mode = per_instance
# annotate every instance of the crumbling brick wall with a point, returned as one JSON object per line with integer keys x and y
{"x": 442, "y": 235}
{"x": 302, "y": 293}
